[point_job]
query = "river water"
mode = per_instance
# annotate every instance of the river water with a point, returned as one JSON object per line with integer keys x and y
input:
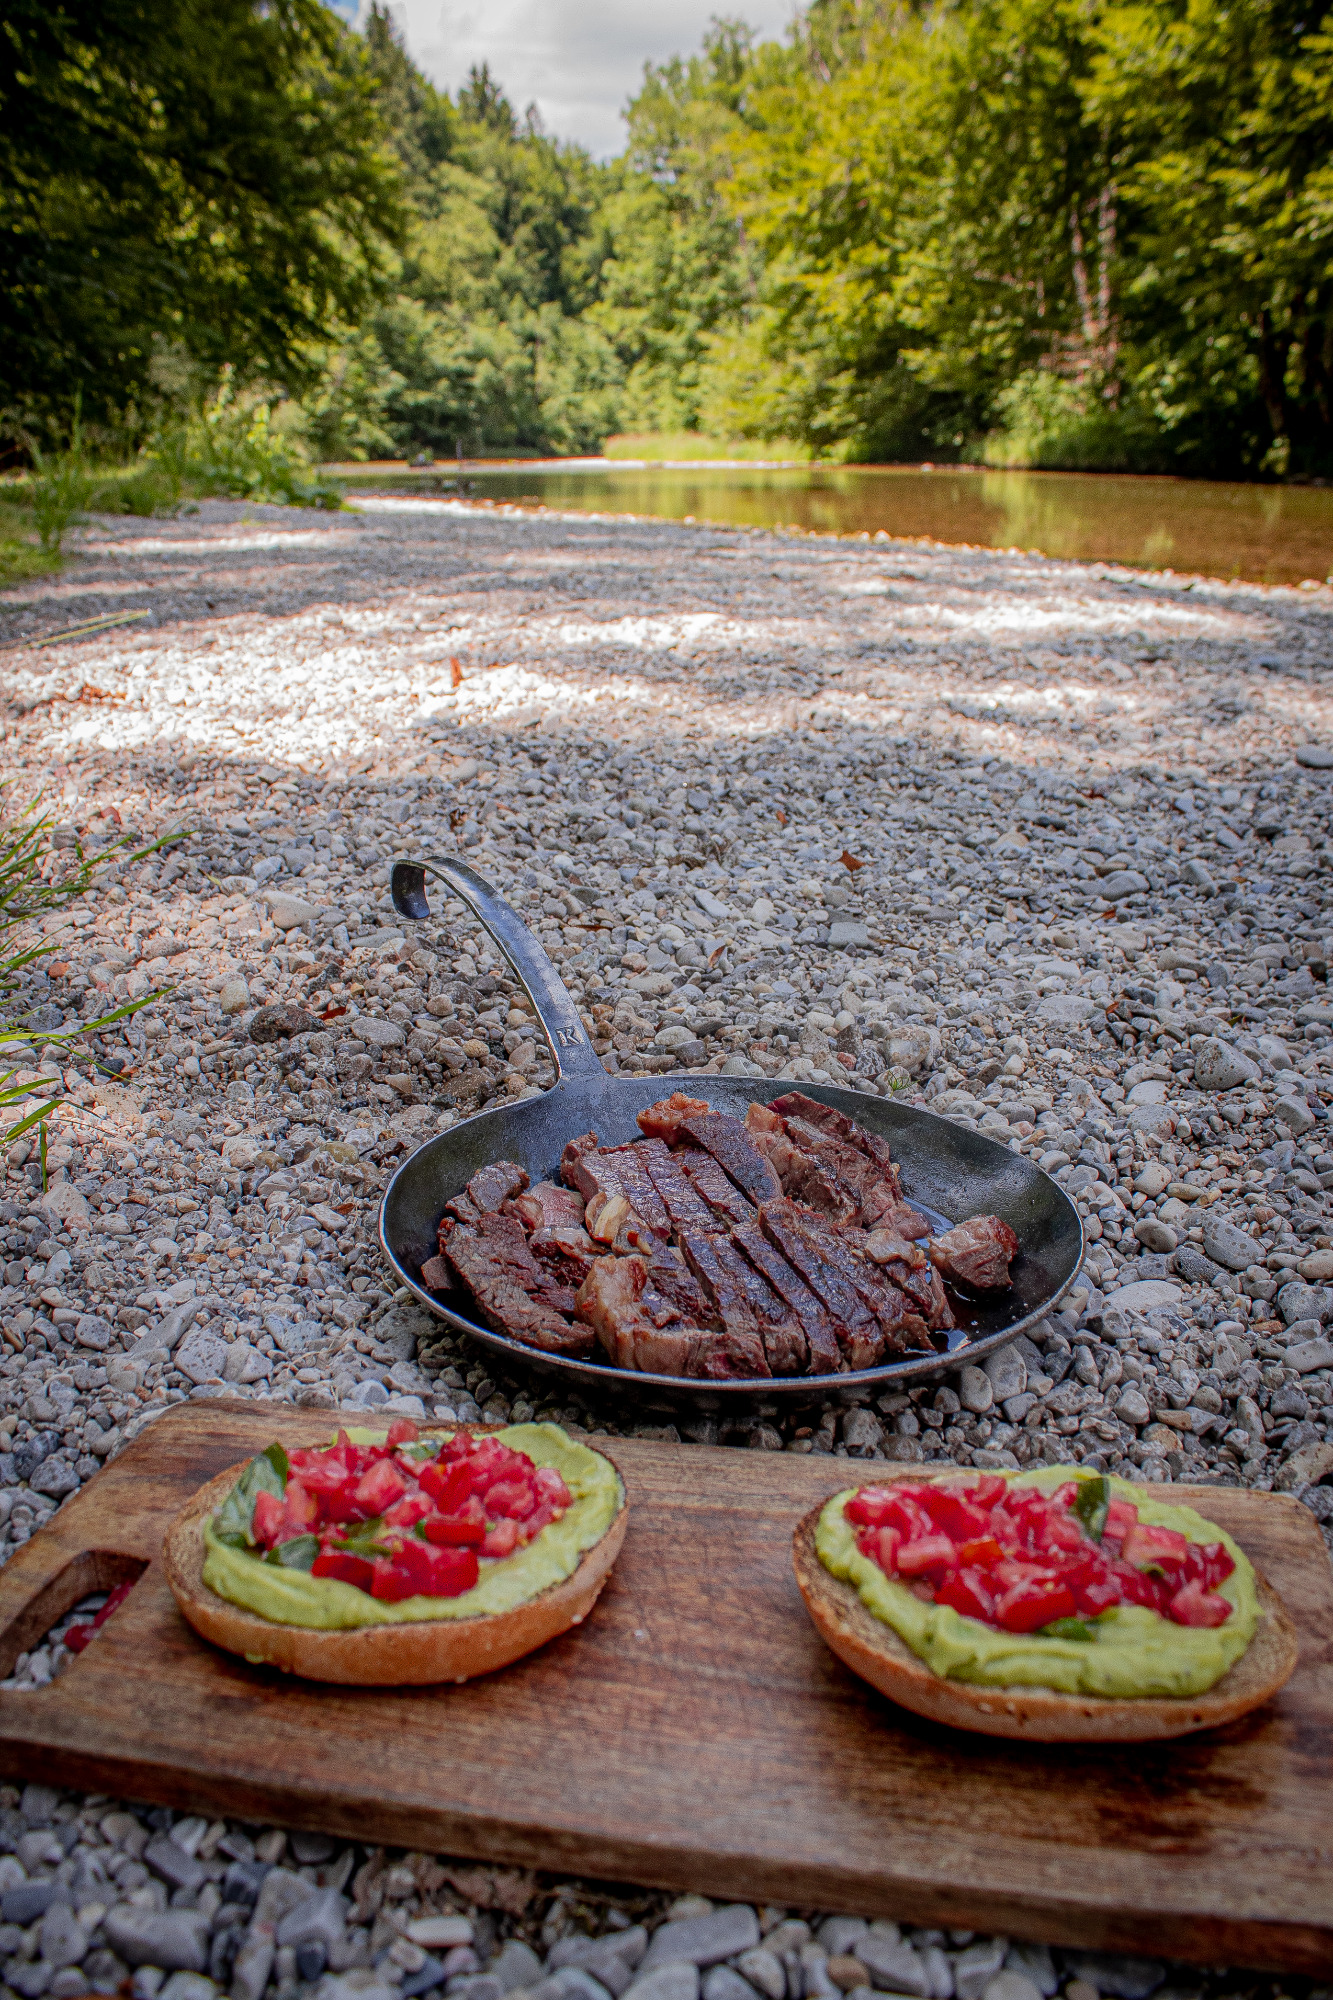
{"x": 1262, "y": 534}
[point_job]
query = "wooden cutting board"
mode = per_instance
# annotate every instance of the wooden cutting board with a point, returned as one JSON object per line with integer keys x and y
{"x": 695, "y": 1733}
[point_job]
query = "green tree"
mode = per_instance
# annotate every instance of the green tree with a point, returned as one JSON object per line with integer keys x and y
{"x": 202, "y": 173}
{"x": 1229, "y": 256}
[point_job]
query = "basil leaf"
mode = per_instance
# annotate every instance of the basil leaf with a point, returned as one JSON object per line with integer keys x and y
{"x": 1067, "y": 1628}
{"x": 265, "y": 1474}
{"x": 299, "y": 1553}
{"x": 1091, "y": 1504}
{"x": 363, "y": 1539}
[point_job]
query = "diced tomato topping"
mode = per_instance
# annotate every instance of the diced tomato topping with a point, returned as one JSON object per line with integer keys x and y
{"x": 1019, "y": 1560}
{"x": 465, "y": 1529}
{"x": 1193, "y": 1605}
{"x": 377, "y": 1489}
{"x": 344, "y": 1567}
{"x": 78, "y": 1636}
{"x": 397, "y": 1525}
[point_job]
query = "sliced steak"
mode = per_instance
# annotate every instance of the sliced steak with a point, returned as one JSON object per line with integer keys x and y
{"x": 621, "y": 1204}
{"x": 801, "y": 1175}
{"x": 494, "y": 1264}
{"x": 795, "y": 1104}
{"x": 856, "y": 1327}
{"x": 611, "y": 1301}
{"x": 735, "y": 1152}
{"x": 859, "y": 1179}
{"x": 549, "y": 1206}
{"x": 491, "y": 1186}
{"x": 587, "y": 1142}
{"x": 565, "y": 1255}
{"x": 461, "y": 1208}
{"x": 821, "y": 1356}
{"x": 731, "y": 1356}
{"x": 709, "y": 1181}
{"x": 976, "y": 1253}
{"x": 905, "y": 1221}
{"x": 682, "y": 1202}
{"x": 670, "y": 1279}
{"x": 436, "y": 1275}
{"x": 725, "y": 1291}
{"x": 663, "y": 1120}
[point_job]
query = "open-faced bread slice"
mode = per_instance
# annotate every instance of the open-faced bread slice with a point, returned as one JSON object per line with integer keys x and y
{"x": 395, "y": 1655}
{"x": 873, "y": 1650}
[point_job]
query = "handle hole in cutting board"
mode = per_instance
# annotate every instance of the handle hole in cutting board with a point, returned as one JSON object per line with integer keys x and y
{"x": 93, "y": 1570}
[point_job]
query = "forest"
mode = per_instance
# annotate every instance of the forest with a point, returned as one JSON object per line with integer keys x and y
{"x": 1072, "y": 233}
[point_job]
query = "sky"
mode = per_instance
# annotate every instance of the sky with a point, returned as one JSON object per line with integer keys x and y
{"x": 577, "y": 60}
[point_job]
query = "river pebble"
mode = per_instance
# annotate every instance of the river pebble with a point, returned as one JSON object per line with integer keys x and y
{"x": 1024, "y": 842}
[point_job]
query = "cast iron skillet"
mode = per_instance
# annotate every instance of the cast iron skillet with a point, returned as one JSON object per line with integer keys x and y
{"x": 947, "y": 1172}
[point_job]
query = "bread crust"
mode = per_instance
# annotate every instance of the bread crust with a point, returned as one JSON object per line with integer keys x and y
{"x": 873, "y": 1650}
{"x": 407, "y": 1655}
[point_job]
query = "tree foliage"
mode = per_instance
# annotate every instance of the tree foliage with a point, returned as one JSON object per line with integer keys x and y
{"x": 203, "y": 174}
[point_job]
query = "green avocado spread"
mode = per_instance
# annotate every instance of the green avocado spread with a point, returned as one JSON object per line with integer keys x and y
{"x": 294, "y": 1597}
{"x": 1133, "y": 1652}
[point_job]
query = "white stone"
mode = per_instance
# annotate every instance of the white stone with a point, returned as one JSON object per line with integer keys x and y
{"x": 234, "y": 997}
{"x": 289, "y": 912}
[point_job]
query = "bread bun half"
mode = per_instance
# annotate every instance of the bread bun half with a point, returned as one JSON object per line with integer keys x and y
{"x": 873, "y": 1650}
{"x": 397, "y": 1655}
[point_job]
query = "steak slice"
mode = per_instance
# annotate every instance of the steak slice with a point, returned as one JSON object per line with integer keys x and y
{"x": 682, "y": 1202}
{"x": 735, "y": 1152}
{"x": 565, "y": 1255}
{"x": 857, "y": 1178}
{"x": 802, "y": 1176}
{"x": 721, "y": 1285}
{"x": 493, "y": 1263}
{"x": 857, "y": 1329}
{"x": 617, "y": 1192}
{"x": 821, "y": 1355}
{"x": 976, "y": 1253}
{"x": 669, "y": 1279}
{"x": 663, "y": 1120}
{"x": 732, "y": 1357}
{"x": 461, "y": 1208}
{"x": 903, "y": 1220}
{"x": 709, "y": 1181}
{"x": 587, "y": 1142}
{"x": 436, "y": 1275}
{"x": 795, "y": 1104}
{"x": 611, "y": 1301}
{"x": 493, "y": 1185}
{"x": 548, "y": 1206}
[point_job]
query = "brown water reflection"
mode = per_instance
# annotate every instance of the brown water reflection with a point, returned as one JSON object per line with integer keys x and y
{"x": 1264, "y": 534}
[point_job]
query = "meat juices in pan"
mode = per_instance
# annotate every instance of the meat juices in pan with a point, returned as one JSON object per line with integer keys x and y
{"x": 717, "y": 1249}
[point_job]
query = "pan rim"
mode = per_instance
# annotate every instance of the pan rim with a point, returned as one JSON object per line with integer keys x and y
{"x": 600, "y": 1375}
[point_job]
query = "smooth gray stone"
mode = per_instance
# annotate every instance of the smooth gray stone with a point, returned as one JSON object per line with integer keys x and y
{"x": 188, "y": 1986}
{"x": 839, "y": 1935}
{"x": 1229, "y": 1246}
{"x": 1219, "y": 1067}
{"x": 320, "y": 1919}
{"x": 177, "y": 1940}
{"x": 1142, "y": 1296}
{"x": 1309, "y": 1355}
{"x": 765, "y": 1970}
{"x": 895, "y": 1965}
{"x": 721, "y": 1983}
{"x": 1191, "y": 1265}
{"x": 1301, "y": 1301}
{"x": 975, "y": 1968}
{"x": 1011, "y": 1984}
{"x": 1065, "y": 1010}
{"x": 173, "y": 1864}
{"x": 1035, "y": 1960}
{"x": 1126, "y": 1978}
{"x": 1132, "y": 1406}
{"x": 721, "y": 1934}
{"x": 976, "y": 1392}
{"x": 63, "y": 1938}
{"x": 517, "y": 1965}
{"x": 678, "y": 1980}
{"x": 1007, "y": 1371}
{"x": 27, "y": 1901}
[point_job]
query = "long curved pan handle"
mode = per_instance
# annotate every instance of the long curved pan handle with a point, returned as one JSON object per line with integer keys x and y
{"x": 574, "y": 1056}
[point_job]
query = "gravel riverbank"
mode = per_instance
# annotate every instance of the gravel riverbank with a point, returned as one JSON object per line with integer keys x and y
{"x": 1042, "y": 846}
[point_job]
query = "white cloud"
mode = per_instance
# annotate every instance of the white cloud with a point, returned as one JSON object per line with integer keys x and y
{"x": 579, "y": 61}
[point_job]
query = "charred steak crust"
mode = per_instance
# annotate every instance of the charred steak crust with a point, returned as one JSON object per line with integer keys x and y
{"x": 735, "y": 1152}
